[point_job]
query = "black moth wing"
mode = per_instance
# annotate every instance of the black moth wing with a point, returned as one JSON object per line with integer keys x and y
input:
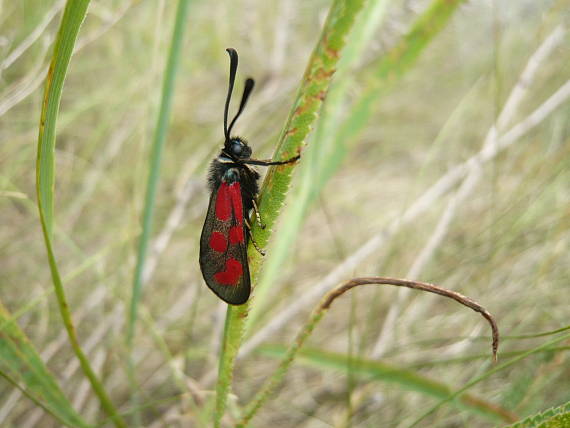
{"x": 213, "y": 262}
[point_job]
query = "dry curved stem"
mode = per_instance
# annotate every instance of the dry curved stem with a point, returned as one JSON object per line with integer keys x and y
{"x": 416, "y": 285}
{"x": 269, "y": 386}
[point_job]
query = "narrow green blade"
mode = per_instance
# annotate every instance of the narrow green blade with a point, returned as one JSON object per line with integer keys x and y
{"x": 22, "y": 365}
{"x": 408, "y": 379}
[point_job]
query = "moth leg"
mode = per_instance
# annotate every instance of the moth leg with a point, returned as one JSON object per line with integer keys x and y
{"x": 248, "y": 227}
{"x": 269, "y": 162}
{"x": 257, "y": 215}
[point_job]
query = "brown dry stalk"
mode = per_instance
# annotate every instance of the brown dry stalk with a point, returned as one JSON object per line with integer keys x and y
{"x": 416, "y": 285}
{"x": 273, "y": 381}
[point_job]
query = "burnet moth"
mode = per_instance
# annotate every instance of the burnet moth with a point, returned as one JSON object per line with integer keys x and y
{"x": 233, "y": 186}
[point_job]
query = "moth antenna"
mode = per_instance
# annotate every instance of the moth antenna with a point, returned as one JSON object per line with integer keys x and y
{"x": 249, "y": 84}
{"x": 233, "y": 68}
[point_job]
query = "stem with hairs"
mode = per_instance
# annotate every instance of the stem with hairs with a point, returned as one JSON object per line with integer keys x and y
{"x": 309, "y": 99}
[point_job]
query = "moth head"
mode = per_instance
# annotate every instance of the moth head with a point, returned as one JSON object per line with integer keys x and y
{"x": 237, "y": 148}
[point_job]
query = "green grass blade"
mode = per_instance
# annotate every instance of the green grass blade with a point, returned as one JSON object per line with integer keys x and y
{"x": 401, "y": 58}
{"x": 73, "y": 17}
{"x": 323, "y": 156}
{"x": 383, "y": 372}
{"x": 558, "y": 417}
{"x": 21, "y": 364}
{"x": 302, "y": 116}
{"x": 233, "y": 333}
{"x": 155, "y": 160}
{"x": 156, "y": 157}
{"x": 45, "y": 178}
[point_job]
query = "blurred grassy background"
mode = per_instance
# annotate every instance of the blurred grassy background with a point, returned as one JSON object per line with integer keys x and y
{"x": 506, "y": 244}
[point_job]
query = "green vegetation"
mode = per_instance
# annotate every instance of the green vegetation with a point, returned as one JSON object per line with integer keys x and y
{"x": 438, "y": 150}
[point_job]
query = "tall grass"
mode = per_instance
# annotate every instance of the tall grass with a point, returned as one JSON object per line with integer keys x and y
{"x": 155, "y": 161}
{"x": 73, "y": 16}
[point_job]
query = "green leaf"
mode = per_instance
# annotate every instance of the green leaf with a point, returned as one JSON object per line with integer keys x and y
{"x": 557, "y": 417}
{"x": 21, "y": 365}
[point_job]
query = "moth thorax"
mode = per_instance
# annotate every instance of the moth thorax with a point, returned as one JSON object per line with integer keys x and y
{"x": 231, "y": 176}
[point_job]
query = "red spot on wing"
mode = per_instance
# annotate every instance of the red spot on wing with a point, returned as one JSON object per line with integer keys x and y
{"x": 228, "y": 200}
{"x": 236, "y": 235}
{"x": 218, "y": 242}
{"x": 234, "y": 191}
{"x": 232, "y": 274}
{"x": 223, "y": 203}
